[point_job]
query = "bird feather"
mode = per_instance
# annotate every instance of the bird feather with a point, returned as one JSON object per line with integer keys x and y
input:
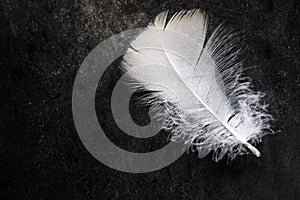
{"x": 208, "y": 103}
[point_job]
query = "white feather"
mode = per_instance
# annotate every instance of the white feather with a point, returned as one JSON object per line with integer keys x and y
{"x": 208, "y": 104}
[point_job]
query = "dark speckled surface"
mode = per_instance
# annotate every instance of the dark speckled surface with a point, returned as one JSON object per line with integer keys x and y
{"x": 43, "y": 43}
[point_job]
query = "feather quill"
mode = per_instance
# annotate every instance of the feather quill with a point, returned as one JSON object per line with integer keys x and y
{"x": 207, "y": 102}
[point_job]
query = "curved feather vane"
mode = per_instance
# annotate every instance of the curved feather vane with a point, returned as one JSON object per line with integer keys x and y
{"x": 207, "y": 102}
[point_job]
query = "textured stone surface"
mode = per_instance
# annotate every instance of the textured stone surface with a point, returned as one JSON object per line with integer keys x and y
{"x": 43, "y": 43}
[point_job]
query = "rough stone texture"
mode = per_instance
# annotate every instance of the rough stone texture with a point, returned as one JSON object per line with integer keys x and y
{"x": 43, "y": 43}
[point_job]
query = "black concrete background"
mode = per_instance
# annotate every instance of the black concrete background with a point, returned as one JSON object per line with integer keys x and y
{"x": 43, "y": 43}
